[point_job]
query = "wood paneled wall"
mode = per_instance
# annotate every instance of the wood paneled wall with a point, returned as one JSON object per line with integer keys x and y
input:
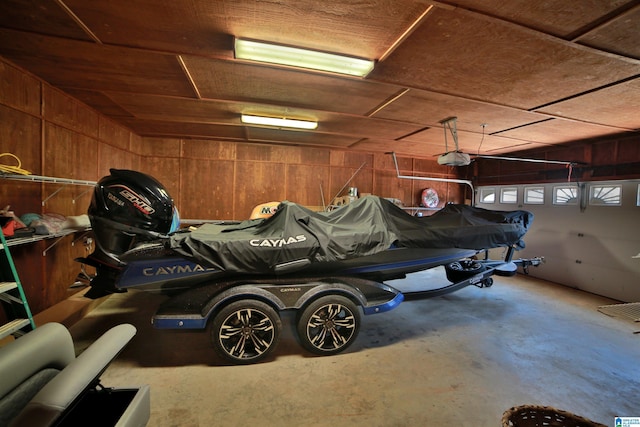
{"x": 616, "y": 157}
{"x": 56, "y": 135}
{"x": 53, "y": 135}
{"x": 225, "y": 180}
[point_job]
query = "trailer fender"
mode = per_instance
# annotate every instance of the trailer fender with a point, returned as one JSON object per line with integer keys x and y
{"x": 238, "y": 293}
{"x": 322, "y": 289}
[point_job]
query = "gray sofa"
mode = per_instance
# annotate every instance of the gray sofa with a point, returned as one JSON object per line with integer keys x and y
{"x": 44, "y": 384}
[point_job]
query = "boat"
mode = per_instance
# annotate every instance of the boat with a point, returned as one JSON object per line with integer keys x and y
{"x": 318, "y": 263}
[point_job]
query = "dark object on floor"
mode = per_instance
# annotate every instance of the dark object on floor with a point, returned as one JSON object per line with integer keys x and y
{"x": 543, "y": 416}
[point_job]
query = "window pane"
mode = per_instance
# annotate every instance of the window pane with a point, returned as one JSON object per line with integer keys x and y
{"x": 487, "y": 195}
{"x": 605, "y": 195}
{"x": 534, "y": 195}
{"x": 566, "y": 195}
{"x": 509, "y": 195}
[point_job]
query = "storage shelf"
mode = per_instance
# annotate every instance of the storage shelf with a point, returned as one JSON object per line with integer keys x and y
{"x": 413, "y": 210}
{"x": 36, "y": 238}
{"x": 50, "y": 180}
{"x": 418, "y": 208}
{"x": 47, "y": 179}
{"x": 14, "y": 301}
{"x": 23, "y": 320}
{"x": 13, "y": 326}
{"x": 7, "y": 286}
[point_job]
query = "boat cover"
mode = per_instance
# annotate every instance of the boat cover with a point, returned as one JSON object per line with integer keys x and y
{"x": 299, "y": 236}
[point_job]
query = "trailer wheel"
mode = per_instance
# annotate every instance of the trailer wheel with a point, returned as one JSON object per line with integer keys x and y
{"x": 246, "y": 331}
{"x": 328, "y": 325}
{"x": 463, "y": 269}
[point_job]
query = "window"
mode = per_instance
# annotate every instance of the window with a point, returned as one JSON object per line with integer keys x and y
{"x": 534, "y": 195}
{"x": 565, "y": 195}
{"x": 487, "y": 195}
{"x": 605, "y": 195}
{"x": 638, "y": 196}
{"x": 509, "y": 195}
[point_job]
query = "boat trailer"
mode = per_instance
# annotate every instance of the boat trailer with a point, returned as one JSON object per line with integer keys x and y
{"x": 243, "y": 315}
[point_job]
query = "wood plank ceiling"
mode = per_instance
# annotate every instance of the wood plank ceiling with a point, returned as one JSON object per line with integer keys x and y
{"x": 535, "y": 72}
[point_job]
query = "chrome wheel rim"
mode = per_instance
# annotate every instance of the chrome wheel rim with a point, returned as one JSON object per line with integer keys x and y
{"x": 247, "y": 334}
{"x": 331, "y": 327}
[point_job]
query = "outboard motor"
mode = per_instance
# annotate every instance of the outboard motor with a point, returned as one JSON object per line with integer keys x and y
{"x": 127, "y": 208}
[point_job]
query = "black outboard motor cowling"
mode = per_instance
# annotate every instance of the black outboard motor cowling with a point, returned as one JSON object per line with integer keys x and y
{"x": 127, "y": 208}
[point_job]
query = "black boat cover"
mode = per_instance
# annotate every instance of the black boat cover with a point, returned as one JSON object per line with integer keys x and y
{"x": 295, "y": 235}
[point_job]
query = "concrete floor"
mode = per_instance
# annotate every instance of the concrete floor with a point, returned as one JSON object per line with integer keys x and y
{"x": 461, "y": 360}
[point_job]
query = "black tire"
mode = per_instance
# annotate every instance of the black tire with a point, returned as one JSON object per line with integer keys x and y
{"x": 461, "y": 270}
{"x": 246, "y": 331}
{"x": 328, "y": 325}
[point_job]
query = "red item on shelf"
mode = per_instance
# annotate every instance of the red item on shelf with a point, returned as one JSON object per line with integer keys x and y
{"x": 9, "y": 228}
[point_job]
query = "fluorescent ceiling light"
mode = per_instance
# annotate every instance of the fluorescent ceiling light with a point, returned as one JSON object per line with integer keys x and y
{"x": 273, "y": 121}
{"x": 303, "y": 58}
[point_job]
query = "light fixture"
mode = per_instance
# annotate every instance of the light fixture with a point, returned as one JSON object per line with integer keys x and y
{"x": 303, "y": 58}
{"x": 278, "y": 122}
